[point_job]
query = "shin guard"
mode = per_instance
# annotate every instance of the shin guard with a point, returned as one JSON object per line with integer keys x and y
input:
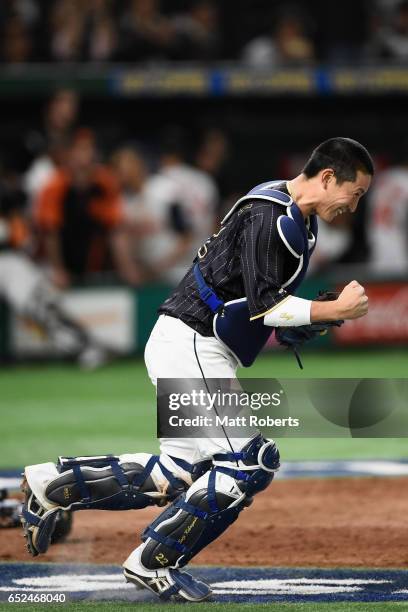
{"x": 210, "y": 505}
{"x": 113, "y": 483}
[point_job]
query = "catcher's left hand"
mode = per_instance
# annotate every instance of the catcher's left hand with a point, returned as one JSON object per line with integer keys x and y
{"x": 294, "y": 337}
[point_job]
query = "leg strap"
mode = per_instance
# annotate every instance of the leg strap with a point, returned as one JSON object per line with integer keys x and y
{"x": 193, "y": 510}
{"x": 30, "y": 517}
{"x": 139, "y": 479}
{"x": 167, "y": 541}
{"x": 212, "y": 498}
{"x": 119, "y": 473}
{"x": 83, "y": 489}
{"x": 259, "y": 453}
{"x": 194, "y": 469}
{"x": 102, "y": 461}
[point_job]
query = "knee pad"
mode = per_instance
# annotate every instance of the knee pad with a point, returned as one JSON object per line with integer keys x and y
{"x": 113, "y": 483}
{"x": 210, "y": 505}
{"x": 259, "y": 460}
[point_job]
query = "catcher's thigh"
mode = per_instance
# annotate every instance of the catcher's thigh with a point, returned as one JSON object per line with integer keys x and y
{"x": 175, "y": 350}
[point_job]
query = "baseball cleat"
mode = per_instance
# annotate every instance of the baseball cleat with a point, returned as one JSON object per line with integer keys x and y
{"x": 37, "y": 522}
{"x": 173, "y": 585}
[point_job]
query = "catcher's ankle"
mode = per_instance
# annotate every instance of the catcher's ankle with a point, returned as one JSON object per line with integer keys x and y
{"x": 135, "y": 565}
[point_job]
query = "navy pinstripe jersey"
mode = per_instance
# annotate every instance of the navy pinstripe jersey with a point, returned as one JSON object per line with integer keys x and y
{"x": 247, "y": 258}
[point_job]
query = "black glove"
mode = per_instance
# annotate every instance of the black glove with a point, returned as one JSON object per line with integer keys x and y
{"x": 294, "y": 337}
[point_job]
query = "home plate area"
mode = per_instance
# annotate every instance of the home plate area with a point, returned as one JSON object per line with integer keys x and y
{"x": 88, "y": 582}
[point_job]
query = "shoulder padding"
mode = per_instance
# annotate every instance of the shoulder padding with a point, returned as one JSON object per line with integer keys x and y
{"x": 291, "y": 235}
{"x": 265, "y": 191}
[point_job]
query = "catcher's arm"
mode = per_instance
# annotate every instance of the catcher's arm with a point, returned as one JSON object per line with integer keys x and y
{"x": 294, "y": 337}
{"x": 326, "y": 311}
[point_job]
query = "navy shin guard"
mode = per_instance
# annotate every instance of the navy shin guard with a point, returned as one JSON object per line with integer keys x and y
{"x": 210, "y": 505}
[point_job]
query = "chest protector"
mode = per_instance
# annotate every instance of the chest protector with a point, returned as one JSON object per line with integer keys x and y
{"x": 231, "y": 324}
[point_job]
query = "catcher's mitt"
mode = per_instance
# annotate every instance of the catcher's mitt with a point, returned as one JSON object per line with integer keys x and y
{"x": 294, "y": 337}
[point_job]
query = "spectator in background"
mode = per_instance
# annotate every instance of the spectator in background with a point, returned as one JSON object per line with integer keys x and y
{"x": 341, "y": 29}
{"x": 23, "y": 33}
{"x": 197, "y": 33}
{"x": 79, "y": 210}
{"x": 174, "y": 209}
{"x": 27, "y": 10}
{"x": 391, "y": 40}
{"x": 47, "y": 147}
{"x": 132, "y": 174}
{"x": 17, "y": 44}
{"x": 83, "y": 31}
{"x": 212, "y": 152}
{"x": 213, "y": 157}
{"x": 154, "y": 204}
{"x": 101, "y": 33}
{"x": 191, "y": 210}
{"x": 387, "y": 227}
{"x": 145, "y": 33}
{"x": 67, "y": 30}
{"x": 288, "y": 43}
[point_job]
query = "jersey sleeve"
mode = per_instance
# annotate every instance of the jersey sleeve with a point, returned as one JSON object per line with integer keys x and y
{"x": 262, "y": 260}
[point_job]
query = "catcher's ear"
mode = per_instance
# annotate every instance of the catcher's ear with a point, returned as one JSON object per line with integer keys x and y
{"x": 327, "y": 175}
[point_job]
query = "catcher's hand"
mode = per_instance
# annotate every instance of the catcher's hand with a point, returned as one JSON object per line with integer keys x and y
{"x": 294, "y": 337}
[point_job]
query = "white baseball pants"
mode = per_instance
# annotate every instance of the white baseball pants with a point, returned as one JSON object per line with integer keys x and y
{"x": 175, "y": 350}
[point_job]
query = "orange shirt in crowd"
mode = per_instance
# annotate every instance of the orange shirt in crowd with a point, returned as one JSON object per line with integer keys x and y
{"x": 81, "y": 217}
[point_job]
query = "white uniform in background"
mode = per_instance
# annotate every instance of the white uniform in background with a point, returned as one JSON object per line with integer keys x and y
{"x": 196, "y": 193}
{"x": 37, "y": 176}
{"x": 199, "y": 194}
{"x": 158, "y": 195}
{"x": 333, "y": 243}
{"x": 388, "y": 221}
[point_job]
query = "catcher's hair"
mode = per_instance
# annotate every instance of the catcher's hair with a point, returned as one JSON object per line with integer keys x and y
{"x": 344, "y": 155}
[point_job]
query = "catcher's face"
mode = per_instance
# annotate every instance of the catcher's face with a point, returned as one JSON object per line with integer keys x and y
{"x": 338, "y": 198}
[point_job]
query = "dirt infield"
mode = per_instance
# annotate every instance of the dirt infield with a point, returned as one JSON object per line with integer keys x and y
{"x": 350, "y": 522}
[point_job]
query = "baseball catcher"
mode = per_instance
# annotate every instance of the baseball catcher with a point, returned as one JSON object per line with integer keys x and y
{"x": 240, "y": 288}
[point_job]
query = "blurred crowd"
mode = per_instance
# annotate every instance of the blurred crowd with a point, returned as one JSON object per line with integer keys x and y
{"x": 84, "y": 215}
{"x": 258, "y": 32}
{"x": 138, "y": 215}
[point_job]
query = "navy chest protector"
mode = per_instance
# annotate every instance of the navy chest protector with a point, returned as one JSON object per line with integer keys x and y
{"x": 231, "y": 324}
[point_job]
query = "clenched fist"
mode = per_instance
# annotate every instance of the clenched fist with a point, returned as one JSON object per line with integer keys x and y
{"x": 352, "y": 302}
